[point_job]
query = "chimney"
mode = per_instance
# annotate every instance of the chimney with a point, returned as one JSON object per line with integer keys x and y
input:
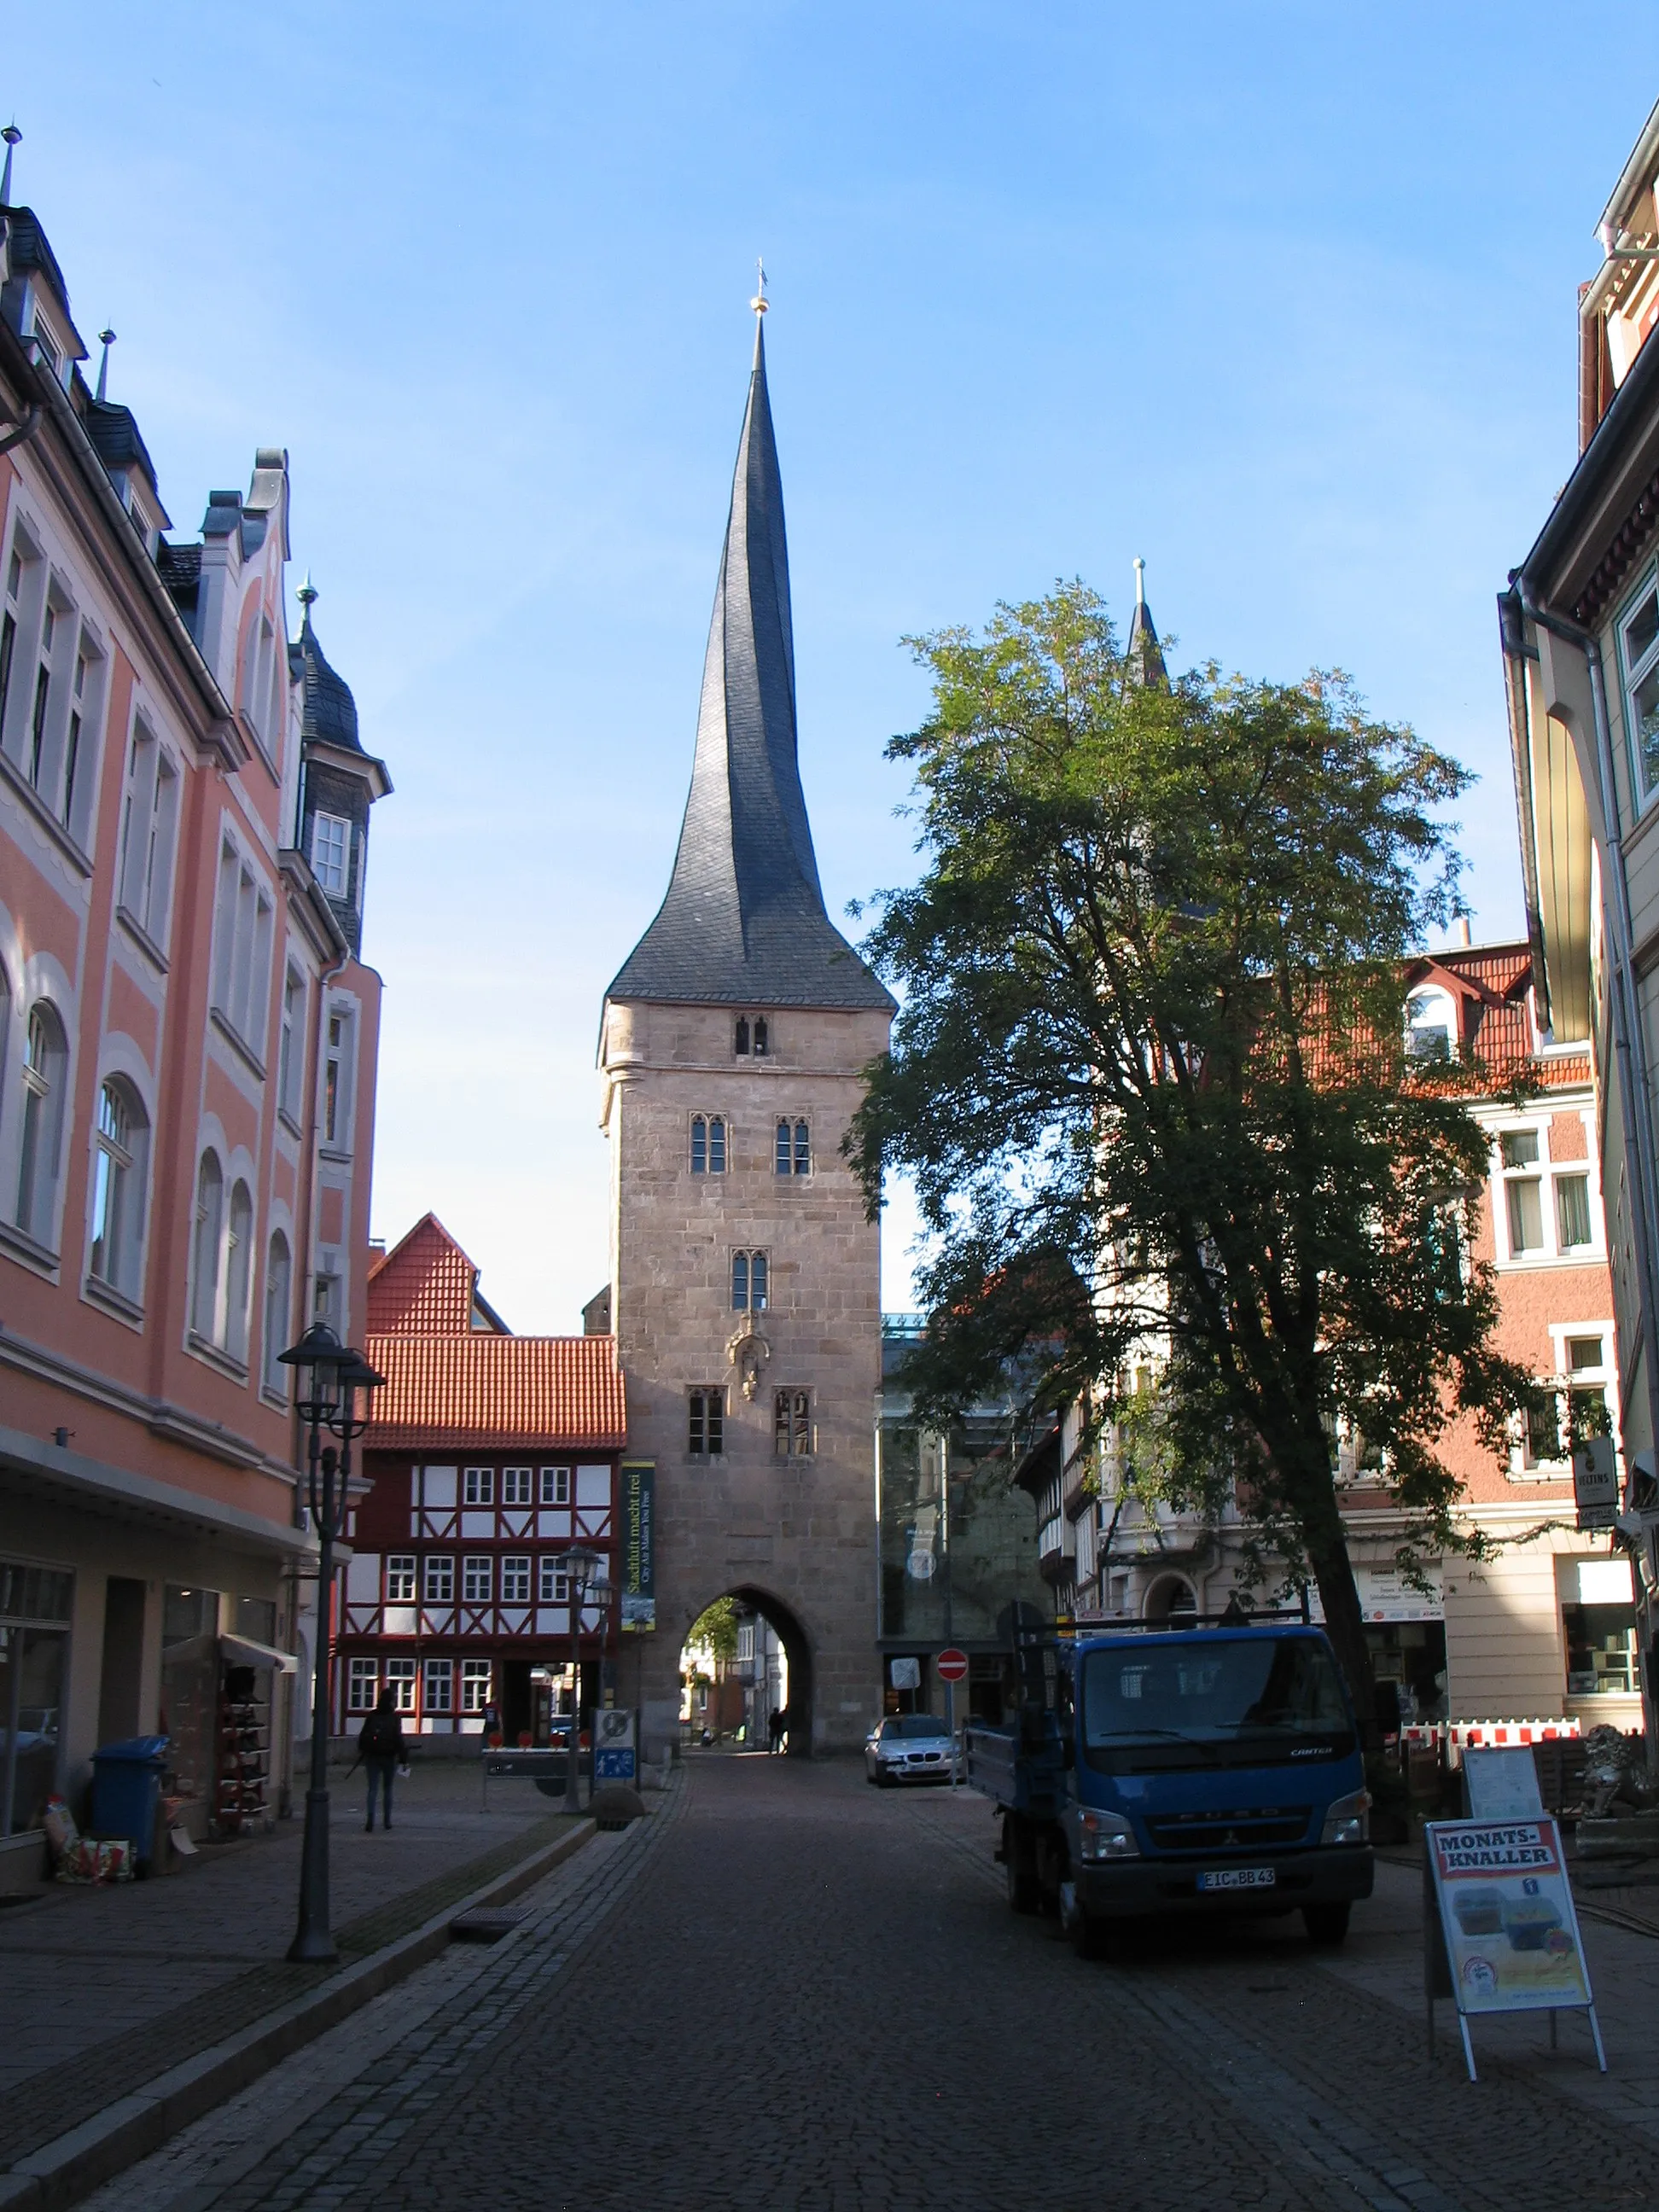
{"x": 1461, "y": 937}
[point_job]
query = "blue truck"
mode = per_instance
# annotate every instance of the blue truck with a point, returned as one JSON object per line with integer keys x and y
{"x": 1179, "y": 1770}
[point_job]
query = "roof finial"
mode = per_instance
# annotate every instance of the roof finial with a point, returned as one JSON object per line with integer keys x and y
{"x": 1140, "y": 581}
{"x": 11, "y": 134}
{"x": 759, "y": 302}
{"x": 307, "y": 596}
{"x": 108, "y": 340}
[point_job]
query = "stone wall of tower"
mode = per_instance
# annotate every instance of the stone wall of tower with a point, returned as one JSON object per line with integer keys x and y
{"x": 799, "y": 1532}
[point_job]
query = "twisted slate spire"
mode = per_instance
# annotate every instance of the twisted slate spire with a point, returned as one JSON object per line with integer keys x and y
{"x": 744, "y": 922}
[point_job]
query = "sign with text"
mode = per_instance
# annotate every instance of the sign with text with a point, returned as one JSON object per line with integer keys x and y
{"x": 638, "y": 1482}
{"x": 1506, "y": 1912}
{"x": 1595, "y": 1483}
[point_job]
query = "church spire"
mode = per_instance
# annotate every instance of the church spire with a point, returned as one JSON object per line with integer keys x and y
{"x": 1144, "y": 653}
{"x": 743, "y": 921}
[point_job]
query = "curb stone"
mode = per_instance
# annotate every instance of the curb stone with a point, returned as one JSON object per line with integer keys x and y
{"x": 80, "y": 2160}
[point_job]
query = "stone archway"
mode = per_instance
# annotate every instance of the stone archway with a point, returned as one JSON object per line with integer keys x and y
{"x": 798, "y": 1653}
{"x": 1172, "y": 1599}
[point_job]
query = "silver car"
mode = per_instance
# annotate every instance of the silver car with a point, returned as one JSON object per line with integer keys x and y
{"x": 908, "y": 1747}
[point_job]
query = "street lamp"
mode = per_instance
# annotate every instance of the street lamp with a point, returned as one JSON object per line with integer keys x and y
{"x": 581, "y": 1568}
{"x": 331, "y": 1374}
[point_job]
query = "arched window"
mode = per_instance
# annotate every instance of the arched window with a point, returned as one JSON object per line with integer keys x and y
{"x": 739, "y": 1282}
{"x": 208, "y": 1233}
{"x": 117, "y": 1188}
{"x": 239, "y": 1268}
{"x": 760, "y": 1034}
{"x": 45, "y": 1063}
{"x": 1431, "y": 1025}
{"x": 793, "y": 1151}
{"x": 278, "y": 1282}
{"x": 748, "y": 1272}
{"x": 740, "y": 1037}
{"x": 781, "y": 1153}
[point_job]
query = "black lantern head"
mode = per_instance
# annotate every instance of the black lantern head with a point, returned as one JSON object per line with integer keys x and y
{"x": 354, "y": 1374}
{"x": 319, "y": 1358}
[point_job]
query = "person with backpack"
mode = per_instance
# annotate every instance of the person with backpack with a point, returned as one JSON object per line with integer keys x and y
{"x": 380, "y": 1747}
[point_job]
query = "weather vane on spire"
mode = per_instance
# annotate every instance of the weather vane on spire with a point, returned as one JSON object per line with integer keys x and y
{"x": 759, "y": 302}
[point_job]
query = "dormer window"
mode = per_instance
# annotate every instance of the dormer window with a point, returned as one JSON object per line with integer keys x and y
{"x": 51, "y": 353}
{"x": 330, "y": 849}
{"x": 1432, "y": 1025}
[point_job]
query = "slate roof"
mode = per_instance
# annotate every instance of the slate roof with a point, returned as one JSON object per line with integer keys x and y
{"x": 560, "y": 1393}
{"x": 1145, "y": 654}
{"x": 30, "y": 249}
{"x": 744, "y": 922}
{"x": 114, "y": 435}
{"x": 329, "y": 713}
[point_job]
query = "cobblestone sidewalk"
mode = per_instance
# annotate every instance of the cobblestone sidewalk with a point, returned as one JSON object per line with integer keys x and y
{"x": 100, "y": 1991}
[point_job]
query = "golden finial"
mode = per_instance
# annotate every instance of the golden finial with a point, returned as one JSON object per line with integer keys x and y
{"x": 759, "y": 302}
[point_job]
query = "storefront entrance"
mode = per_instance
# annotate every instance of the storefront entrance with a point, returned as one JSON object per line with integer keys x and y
{"x": 34, "y": 1633}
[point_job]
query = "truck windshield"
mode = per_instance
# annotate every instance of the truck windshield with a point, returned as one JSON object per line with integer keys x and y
{"x": 1251, "y": 1700}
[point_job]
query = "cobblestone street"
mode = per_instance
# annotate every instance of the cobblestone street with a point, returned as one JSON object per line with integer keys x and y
{"x": 789, "y": 1990}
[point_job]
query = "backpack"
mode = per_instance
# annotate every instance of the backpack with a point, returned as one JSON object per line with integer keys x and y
{"x": 382, "y": 1736}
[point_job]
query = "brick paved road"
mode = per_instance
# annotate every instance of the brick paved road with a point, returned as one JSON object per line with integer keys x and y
{"x": 790, "y": 1991}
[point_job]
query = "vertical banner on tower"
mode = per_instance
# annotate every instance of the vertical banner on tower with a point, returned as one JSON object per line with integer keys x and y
{"x": 638, "y": 1480}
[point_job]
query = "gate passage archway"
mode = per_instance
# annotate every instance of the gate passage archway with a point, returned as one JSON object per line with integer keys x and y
{"x": 743, "y": 1688}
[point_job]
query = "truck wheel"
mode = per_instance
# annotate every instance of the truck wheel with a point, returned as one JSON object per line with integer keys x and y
{"x": 1328, "y": 1924}
{"x": 1090, "y": 1939}
{"x": 1019, "y": 1865}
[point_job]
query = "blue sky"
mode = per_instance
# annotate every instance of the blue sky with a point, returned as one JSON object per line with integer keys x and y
{"x": 1280, "y": 297}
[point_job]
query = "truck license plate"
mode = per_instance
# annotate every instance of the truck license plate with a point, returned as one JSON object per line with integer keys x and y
{"x": 1239, "y": 1878}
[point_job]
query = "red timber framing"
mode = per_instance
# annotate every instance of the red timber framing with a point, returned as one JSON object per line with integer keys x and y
{"x": 488, "y": 1456}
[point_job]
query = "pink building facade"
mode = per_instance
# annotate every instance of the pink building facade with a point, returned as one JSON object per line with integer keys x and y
{"x": 188, "y": 1041}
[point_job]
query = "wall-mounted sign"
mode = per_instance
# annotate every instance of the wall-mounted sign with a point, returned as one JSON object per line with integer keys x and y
{"x": 905, "y": 1674}
{"x": 638, "y": 1483}
{"x": 1595, "y": 1483}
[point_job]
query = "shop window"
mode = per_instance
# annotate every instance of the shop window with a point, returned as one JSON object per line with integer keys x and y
{"x": 35, "y": 1618}
{"x": 188, "y": 1611}
{"x": 400, "y": 1680}
{"x": 256, "y": 1618}
{"x": 438, "y": 1691}
{"x": 475, "y": 1684}
{"x": 1601, "y": 1642}
{"x": 556, "y": 1486}
{"x": 363, "y": 1686}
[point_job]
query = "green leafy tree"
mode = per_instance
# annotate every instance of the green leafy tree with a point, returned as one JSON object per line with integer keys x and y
{"x": 715, "y": 1628}
{"x": 1151, "y": 1078}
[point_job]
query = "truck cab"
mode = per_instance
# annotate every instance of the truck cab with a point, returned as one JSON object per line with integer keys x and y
{"x": 1180, "y": 1771}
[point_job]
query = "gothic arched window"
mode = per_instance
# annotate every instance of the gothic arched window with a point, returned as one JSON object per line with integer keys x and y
{"x": 740, "y": 1037}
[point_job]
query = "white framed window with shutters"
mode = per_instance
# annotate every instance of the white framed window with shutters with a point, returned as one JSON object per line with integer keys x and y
{"x": 1545, "y": 1209}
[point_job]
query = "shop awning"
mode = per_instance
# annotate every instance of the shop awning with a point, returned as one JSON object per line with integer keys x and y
{"x": 243, "y": 1651}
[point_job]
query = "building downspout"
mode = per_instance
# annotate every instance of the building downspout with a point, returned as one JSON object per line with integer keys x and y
{"x": 1630, "y": 1053}
{"x": 20, "y": 433}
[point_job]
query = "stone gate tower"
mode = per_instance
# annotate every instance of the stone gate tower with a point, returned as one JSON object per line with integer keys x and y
{"x": 744, "y": 1278}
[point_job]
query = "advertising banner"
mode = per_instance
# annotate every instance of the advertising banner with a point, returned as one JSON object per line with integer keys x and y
{"x": 1506, "y": 1912}
{"x": 639, "y": 1505}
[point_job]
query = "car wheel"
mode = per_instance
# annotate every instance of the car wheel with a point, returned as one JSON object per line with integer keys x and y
{"x": 1327, "y": 1924}
{"x": 883, "y": 1779}
{"x": 1088, "y": 1938}
{"x": 1020, "y": 1866}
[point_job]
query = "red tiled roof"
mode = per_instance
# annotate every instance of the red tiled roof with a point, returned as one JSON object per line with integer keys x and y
{"x": 424, "y": 1285}
{"x": 1497, "y": 1033}
{"x": 558, "y": 1391}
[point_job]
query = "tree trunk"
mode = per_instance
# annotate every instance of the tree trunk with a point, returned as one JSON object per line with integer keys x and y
{"x": 1345, "y": 1623}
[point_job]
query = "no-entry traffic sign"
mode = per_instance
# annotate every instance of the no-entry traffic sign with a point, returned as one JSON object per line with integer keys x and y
{"x": 952, "y": 1665}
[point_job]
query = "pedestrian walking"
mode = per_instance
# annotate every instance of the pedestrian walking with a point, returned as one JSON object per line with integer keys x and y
{"x": 380, "y": 1747}
{"x": 780, "y": 1728}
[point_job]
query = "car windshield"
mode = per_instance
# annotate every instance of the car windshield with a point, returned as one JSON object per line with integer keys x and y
{"x": 912, "y": 1724}
{"x": 1245, "y": 1700}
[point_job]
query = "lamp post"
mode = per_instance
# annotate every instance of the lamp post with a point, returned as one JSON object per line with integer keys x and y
{"x": 581, "y": 1566}
{"x": 331, "y": 1374}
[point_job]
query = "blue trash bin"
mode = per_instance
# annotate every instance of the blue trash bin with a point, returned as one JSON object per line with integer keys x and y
{"x": 126, "y": 1788}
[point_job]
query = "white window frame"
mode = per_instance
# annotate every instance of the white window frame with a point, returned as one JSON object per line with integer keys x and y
{"x": 518, "y": 1486}
{"x": 402, "y": 1575}
{"x": 400, "y": 1676}
{"x": 553, "y": 1583}
{"x": 438, "y": 1578}
{"x": 1547, "y": 1172}
{"x": 516, "y": 1577}
{"x": 438, "y": 1688}
{"x": 556, "y": 1486}
{"x": 362, "y": 1685}
{"x": 1439, "y": 1013}
{"x": 334, "y": 879}
{"x": 1633, "y": 674}
{"x": 477, "y": 1486}
{"x": 477, "y": 1577}
{"x": 475, "y": 1684}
